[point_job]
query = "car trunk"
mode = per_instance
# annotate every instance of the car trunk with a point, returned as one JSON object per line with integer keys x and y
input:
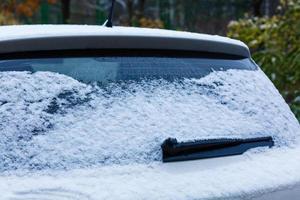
{"x": 69, "y": 139}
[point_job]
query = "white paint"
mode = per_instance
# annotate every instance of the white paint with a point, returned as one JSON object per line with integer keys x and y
{"x": 38, "y": 31}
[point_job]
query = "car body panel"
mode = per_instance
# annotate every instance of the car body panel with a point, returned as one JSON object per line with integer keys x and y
{"x": 14, "y": 39}
{"x": 244, "y": 177}
{"x": 290, "y": 193}
{"x": 82, "y": 159}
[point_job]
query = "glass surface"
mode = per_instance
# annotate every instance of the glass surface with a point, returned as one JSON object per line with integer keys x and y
{"x": 110, "y": 69}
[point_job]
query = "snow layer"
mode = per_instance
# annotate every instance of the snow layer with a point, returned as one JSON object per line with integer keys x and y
{"x": 35, "y": 31}
{"x": 109, "y": 137}
{"x": 241, "y": 178}
{"x": 50, "y": 121}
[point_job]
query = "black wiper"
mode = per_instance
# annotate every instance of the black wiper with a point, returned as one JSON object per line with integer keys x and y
{"x": 200, "y": 149}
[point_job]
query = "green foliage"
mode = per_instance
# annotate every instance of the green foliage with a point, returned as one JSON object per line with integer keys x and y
{"x": 7, "y": 18}
{"x": 275, "y": 43}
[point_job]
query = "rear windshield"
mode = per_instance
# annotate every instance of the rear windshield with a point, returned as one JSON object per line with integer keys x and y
{"x": 122, "y": 68}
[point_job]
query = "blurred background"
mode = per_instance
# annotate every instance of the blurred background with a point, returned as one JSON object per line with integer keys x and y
{"x": 271, "y": 28}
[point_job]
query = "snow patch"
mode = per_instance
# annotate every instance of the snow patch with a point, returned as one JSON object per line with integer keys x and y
{"x": 241, "y": 178}
{"x": 36, "y": 31}
{"x": 51, "y": 121}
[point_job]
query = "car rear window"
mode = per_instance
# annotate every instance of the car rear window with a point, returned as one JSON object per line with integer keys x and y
{"x": 123, "y": 68}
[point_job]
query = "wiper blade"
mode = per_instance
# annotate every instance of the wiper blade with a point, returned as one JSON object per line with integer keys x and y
{"x": 211, "y": 148}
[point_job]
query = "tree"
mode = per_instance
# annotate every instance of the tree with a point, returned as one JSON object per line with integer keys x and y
{"x": 65, "y": 9}
{"x": 256, "y": 4}
{"x": 13, "y": 11}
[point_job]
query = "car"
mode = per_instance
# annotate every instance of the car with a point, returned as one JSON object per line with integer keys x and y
{"x": 94, "y": 112}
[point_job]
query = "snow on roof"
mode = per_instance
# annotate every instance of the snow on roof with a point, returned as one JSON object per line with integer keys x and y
{"x": 30, "y": 31}
{"x": 27, "y": 32}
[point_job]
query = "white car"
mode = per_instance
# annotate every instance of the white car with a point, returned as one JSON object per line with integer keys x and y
{"x": 91, "y": 112}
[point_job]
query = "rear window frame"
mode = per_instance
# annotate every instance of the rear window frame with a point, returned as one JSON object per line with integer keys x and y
{"x": 124, "y": 53}
{"x": 117, "y": 52}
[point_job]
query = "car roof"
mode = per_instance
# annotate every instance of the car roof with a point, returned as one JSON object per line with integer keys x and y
{"x": 29, "y": 38}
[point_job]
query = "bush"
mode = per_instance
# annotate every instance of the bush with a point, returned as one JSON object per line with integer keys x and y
{"x": 275, "y": 43}
{"x": 7, "y": 18}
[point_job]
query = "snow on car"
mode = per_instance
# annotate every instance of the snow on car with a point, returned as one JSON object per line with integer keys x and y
{"x": 85, "y": 109}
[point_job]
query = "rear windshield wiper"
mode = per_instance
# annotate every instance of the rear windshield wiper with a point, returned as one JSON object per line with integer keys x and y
{"x": 211, "y": 148}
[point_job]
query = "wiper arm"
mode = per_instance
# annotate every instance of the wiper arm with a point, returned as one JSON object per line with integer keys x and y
{"x": 211, "y": 148}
